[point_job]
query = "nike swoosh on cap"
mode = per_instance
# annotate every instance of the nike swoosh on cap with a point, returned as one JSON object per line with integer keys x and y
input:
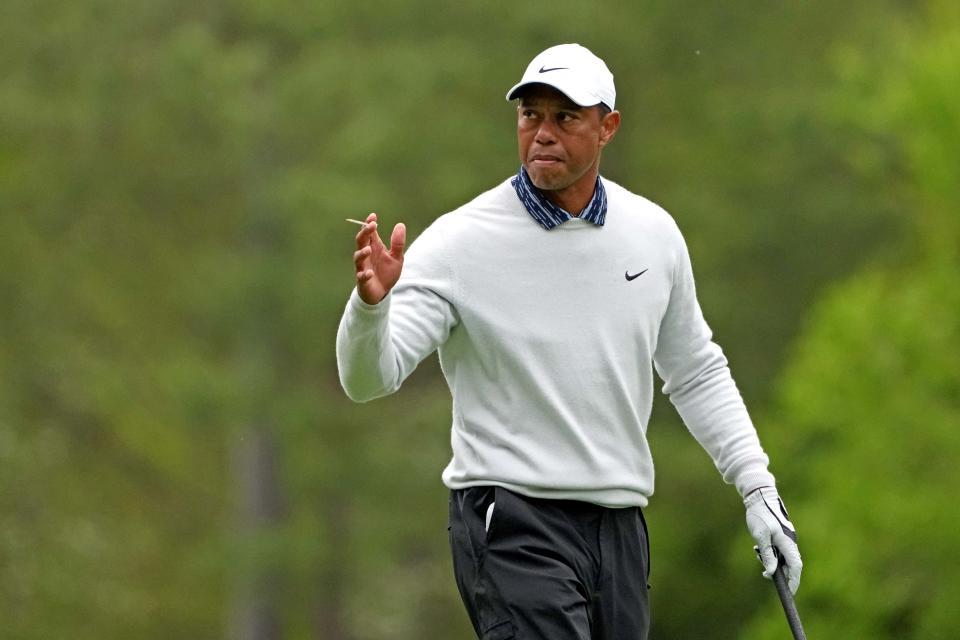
{"x": 545, "y": 70}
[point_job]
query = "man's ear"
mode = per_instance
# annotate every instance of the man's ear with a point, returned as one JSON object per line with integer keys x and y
{"x": 609, "y": 125}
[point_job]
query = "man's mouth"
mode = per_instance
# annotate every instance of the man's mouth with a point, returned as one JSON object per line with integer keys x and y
{"x": 545, "y": 160}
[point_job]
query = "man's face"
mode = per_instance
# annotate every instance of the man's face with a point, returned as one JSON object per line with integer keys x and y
{"x": 559, "y": 141}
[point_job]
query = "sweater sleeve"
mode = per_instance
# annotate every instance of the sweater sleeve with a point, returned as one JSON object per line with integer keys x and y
{"x": 379, "y": 345}
{"x": 698, "y": 381}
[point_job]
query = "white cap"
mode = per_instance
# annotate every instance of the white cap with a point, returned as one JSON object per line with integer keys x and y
{"x": 574, "y": 71}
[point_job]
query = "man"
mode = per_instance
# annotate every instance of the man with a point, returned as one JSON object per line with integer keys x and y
{"x": 548, "y": 298}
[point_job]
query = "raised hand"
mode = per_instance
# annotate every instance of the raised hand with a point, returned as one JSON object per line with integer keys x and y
{"x": 377, "y": 267}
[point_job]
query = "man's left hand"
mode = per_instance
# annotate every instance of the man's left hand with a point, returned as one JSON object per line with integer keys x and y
{"x": 770, "y": 526}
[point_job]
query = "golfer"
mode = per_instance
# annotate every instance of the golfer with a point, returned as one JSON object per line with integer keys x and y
{"x": 551, "y": 298}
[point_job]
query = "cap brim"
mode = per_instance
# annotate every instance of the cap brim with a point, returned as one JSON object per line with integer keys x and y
{"x": 580, "y": 98}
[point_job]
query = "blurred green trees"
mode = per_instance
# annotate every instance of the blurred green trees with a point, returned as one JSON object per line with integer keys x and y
{"x": 175, "y": 451}
{"x": 871, "y": 400}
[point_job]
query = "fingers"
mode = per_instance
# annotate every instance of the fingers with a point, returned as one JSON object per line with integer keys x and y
{"x": 768, "y": 558}
{"x": 793, "y": 565}
{"x": 793, "y": 578}
{"x": 361, "y": 259}
{"x": 397, "y": 240}
{"x": 368, "y": 233}
{"x": 371, "y": 260}
{"x": 367, "y": 241}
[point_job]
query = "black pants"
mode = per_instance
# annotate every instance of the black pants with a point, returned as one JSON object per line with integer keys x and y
{"x": 549, "y": 569}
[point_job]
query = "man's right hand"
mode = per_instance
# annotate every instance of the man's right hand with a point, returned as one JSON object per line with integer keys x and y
{"x": 378, "y": 268}
{"x": 770, "y": 526}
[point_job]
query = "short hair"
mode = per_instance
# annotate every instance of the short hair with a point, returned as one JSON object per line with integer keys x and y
{"x": 522, "y": 92}
{"x": 603, "y": 107}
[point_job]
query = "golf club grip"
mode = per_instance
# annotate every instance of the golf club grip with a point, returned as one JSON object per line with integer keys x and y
{"x": 786, "y": 599}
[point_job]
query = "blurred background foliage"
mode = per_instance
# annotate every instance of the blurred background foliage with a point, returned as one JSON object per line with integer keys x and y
{"x": 176, "y": 456}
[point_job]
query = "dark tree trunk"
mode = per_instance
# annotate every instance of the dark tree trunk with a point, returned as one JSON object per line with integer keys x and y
{"x": 256, "y": 609}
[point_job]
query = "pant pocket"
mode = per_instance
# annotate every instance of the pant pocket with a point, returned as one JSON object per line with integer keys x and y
{"x": 489, "y": 516}
{"x": 500, "y": 631}
{"x": 646, "y": 540}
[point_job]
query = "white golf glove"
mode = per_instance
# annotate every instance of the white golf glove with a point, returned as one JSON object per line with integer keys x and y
{"x": 770, "y": 526}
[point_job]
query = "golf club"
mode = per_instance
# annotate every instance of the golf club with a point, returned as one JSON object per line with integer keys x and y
{"x": 786, "y": 599}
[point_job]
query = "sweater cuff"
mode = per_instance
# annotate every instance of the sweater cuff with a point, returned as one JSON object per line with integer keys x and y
{"x": 752, "y": 478}
{"x": 369, "y": 310}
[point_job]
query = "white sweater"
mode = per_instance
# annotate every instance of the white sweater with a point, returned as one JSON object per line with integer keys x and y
{"x": 547, "y": 349}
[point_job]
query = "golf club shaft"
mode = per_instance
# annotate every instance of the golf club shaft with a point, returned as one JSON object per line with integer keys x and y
{"x": 786, "y": 599}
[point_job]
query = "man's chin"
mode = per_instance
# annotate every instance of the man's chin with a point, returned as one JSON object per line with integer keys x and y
{"x": 546, "y": 182}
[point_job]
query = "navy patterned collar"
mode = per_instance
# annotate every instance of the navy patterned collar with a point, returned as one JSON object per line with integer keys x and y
{"x": 549, "y": 215}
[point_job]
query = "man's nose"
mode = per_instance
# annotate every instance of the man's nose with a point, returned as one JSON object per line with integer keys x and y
{"x": 546, "y": 132}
